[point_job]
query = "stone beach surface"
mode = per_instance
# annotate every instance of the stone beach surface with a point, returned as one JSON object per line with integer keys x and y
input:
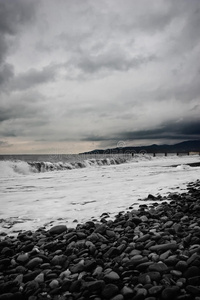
{"x": 150, "y": 253}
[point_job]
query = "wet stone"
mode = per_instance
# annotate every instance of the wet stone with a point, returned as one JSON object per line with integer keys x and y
{"x": 97, "y": 285}
{"x": 181, "y": 265}
{"x": 158, "y": 267}
{"x": 194, "y": 281}
{"x": 112, "y": 276}
{"x": 54, "y": 284}
{"x": 110, "y": 290}
{"x": 170, "y": 293}
{"x": 155, "y": 289}
{"x": 117, "y": 297}
{"x": 191, "y": 272}
{"x": 194, "y": 290}
{"x": 58, "y": 229}
{"x": 34, "y": 262}
{"x": 126, "y": 291}
{"x": 164, "y": 247}
{"x": 7, "y": 296}
{"x": 23, "y": 258}
{"x": 148, "y": 277}
{"x": 77, "y": 268}
{"x": 30, "y": 275}
{"x": 7, "y": 251}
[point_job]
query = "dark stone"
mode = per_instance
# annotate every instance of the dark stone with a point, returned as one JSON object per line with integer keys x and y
{"x": 31, "y": 275}
{"x": 154, "y": 290}
{"x": 34, "y": 263}
{"x": 170, "y": 293}
{"x": 194, "y": 280}
{"x": 181, "y": 265}
{"x": 127, "y": 291}
{"x": 7, "y": 296}
{"x": 154, "y": 276}
{"x": 59, "y": 259}
{"x": 101, "y": 229}
{"x": 7, "y": 251}
{"x": 110, "y": 290}
{"x": 5, "y": 262}
{"x": 90, "y": 265}
{"x": 164, "y": 247}
{"x": 136, "y": 220}
{"x": 113, "y": 251}
{"x": 142, "y": 267}
{"x": 194, "y": 290}
{"x": 75, "y": 286}
{"x": 30, "y": 287}
{"x": 191, "y": 272}
{"x": 158, "y": 267}
{"x": 94, "y": 286}
{"x": 184, "y": 297}
{"x": 112, "y": 276}
{"x": 77, "y": 268}
{"x": 144, "y": 238}
{"x": 6, "y": 287}
{"x": 58, "y": 229}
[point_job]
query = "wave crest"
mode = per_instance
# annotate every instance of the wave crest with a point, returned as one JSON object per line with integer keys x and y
{"x": 12, "y": 168}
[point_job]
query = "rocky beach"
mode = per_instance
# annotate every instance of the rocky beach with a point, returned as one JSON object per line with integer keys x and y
{"x": 151, "y": 253}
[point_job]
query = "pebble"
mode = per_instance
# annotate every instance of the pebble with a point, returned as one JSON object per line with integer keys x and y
{"x": 23, "y": 258}
{"x": 110, "y": 290}
{"x": 34, "y": 263}
{"x": 117, "y": 297}
{"x": 112, "y": 276}
{"x": 155, "y": 289}
{"x": 7, "y": 296}
{"x": 158, "y": 267}
{"x": 170, "y": 292}
{"x": 58, "y": 229}
{"x": 126, "y": 291}
{"x": 39, "y": 278}
{"x": 164, "y": 247}
{"x": 54, "y": 284}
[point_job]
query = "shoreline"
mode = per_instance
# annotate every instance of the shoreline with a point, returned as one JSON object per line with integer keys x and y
{"x": 150, "y": 253}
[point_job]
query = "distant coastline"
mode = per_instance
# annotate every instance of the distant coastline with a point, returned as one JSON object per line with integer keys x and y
{"x": 183, "y": 147}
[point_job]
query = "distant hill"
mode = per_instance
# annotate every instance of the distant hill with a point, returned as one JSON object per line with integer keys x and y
{"x": 187, "y": 146}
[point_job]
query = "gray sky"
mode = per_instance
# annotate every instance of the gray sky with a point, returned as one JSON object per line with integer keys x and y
{"x": 81, "y": 75}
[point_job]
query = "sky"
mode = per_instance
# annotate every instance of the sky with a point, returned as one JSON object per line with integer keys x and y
{"x": 81, "y": 75}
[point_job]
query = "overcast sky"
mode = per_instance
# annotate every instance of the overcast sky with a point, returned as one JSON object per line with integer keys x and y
{"x": 80, "y": 75}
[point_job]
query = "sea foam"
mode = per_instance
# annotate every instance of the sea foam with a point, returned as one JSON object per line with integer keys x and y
{"x": 12, "y": 168}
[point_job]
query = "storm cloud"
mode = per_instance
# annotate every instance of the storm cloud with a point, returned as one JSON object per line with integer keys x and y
{"x": 78, "y": 75}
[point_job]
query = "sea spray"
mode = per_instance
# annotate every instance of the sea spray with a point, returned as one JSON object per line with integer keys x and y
{"x": 18, "y": 167}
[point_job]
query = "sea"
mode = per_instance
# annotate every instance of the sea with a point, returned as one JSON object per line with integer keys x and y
{"x": 45, "y": 190}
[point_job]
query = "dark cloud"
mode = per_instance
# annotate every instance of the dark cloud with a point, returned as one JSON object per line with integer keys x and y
{"x": 21, "y": 110}
{"x": 173, "y": 130}
{"x": 110, "y": 61}
{"x": 13, "y": 16}
{"x": 34, "y": 77}
{"x": 6, "y": 72}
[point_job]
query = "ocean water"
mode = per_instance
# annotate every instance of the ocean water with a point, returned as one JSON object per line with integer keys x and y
{"x": 43, "y": 190}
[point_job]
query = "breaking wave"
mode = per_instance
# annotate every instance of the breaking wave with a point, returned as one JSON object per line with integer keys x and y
{"x": 11, "y": 168}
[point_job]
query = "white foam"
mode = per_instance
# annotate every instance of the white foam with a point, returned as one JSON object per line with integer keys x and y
{"x": 15, "y": 168}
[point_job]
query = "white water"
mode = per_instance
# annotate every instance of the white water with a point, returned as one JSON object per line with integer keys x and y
{"x": 34, "y": 199}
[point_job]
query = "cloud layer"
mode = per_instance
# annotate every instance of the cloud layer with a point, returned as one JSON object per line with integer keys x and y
{"x": 78, "y": 75}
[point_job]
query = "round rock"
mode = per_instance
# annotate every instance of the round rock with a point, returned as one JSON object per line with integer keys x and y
{"x": 58, "y": 229}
